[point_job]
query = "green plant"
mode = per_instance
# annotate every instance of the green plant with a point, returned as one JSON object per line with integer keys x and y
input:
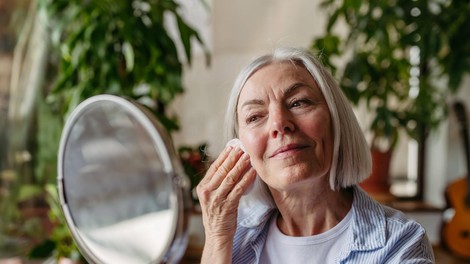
{"x": 115, "y": 47}
{"x": 119, "y": 47}
{"x": 59, "y": 243}
{"x": 395, "y": 53}
{"x": 195, "y": 163}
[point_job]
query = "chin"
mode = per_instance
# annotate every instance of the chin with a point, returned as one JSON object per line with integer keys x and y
{"x": 298, "y": 175}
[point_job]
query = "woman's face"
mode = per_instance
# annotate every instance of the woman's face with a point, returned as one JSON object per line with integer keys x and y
{"x": 285, "y": 126}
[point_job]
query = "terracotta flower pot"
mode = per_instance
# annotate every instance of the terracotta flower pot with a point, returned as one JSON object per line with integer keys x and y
{"x": 378, "y": 183}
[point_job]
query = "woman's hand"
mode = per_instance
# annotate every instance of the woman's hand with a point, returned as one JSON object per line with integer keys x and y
{"x": 219, "y": 192}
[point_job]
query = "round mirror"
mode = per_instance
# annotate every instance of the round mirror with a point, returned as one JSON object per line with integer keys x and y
{"x": 121, "y": 186}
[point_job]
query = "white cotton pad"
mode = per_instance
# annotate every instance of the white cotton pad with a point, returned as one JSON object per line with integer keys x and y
{"x": 236, "y": 143}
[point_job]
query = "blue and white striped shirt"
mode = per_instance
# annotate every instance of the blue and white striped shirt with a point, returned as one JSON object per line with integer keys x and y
{"x": 379, "y": 234}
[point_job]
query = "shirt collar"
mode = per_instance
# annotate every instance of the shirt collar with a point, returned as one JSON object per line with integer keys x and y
{"x": 369, "y": 227}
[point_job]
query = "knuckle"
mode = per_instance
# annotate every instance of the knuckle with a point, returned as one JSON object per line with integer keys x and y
{"x": 218, "y": 201}
{"x": 238, "y": 190}
{"x": 239, "y": 169}
{"x": 231, "y": 180}
{"x": 203, "y": 192}
{"x": 223, "y": 169}
{"x": 212, "y": 168}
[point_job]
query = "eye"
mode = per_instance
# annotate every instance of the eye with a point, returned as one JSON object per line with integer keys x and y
{"x": 252, "y": 118}
{"x": 300, "y": 103}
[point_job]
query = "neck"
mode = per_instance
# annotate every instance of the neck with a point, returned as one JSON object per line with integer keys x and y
{"x": 311, "y": 211}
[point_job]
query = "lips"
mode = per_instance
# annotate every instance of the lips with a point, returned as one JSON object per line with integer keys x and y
{"x": 288, "y": 148}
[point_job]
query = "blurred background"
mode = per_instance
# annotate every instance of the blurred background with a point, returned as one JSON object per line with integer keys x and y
{"x": 403, "y": 64}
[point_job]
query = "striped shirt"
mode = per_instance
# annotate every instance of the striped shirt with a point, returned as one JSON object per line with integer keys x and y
{"x": 379, "y": 234}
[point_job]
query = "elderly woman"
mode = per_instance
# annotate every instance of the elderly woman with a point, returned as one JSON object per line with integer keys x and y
{"x": 285, "y": 191}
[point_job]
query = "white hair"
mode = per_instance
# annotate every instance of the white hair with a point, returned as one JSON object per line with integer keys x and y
{"x": 351, "y": 161}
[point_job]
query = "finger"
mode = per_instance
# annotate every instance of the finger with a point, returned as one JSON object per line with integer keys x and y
{"x": 217, "y": 163}
{"x": 234, "y": 175}
{"x": 224, "y": 169}
{"x": 232, "y": 198}
{"x": 242, "y": 186}
{"x": 216, "y": 173}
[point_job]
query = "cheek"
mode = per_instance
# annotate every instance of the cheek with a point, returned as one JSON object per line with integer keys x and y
{"x": 320, "y": 126}
{"x": 254, "y": 145}
{"x": 320, "y": 131}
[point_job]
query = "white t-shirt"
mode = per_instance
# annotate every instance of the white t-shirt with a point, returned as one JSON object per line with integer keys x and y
{"x": 321, "y": 248}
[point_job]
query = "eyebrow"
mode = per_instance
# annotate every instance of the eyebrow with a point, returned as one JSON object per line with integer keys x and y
{"x": 294, "y": 87}
{"x": 288, "y": 91}
{"x": 252, "y": 102}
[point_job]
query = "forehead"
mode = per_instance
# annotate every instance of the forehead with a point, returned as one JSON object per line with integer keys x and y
{"x": 279, "y": 71}
{"x": 278, "y": 76}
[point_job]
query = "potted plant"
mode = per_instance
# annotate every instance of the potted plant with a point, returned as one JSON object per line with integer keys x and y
{"x": 394, "y": 55}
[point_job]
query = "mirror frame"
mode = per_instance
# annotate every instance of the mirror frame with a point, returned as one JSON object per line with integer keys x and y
{"x": 180, "y": 202}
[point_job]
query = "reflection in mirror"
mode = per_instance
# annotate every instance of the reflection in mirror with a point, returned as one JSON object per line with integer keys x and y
{"x": 117, "y": 184}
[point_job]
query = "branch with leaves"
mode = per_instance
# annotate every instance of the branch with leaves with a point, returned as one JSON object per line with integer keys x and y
{"x": 394, "y": 53}
{"x": 119, "y": 47}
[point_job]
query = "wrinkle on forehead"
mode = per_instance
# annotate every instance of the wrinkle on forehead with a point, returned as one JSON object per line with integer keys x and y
{"x": 295, "y": 75}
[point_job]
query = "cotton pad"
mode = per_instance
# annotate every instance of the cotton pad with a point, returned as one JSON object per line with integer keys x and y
{"x": 236, "y": 143}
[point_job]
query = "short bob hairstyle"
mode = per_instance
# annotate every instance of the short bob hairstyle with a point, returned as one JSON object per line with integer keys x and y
{"x": 351, "y": 161}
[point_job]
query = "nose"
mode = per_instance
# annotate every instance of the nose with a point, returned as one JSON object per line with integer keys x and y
{"x": 281, "y": 123}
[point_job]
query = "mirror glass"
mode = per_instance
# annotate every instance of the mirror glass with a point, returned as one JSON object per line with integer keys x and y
{"x": 120, "y": 191}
